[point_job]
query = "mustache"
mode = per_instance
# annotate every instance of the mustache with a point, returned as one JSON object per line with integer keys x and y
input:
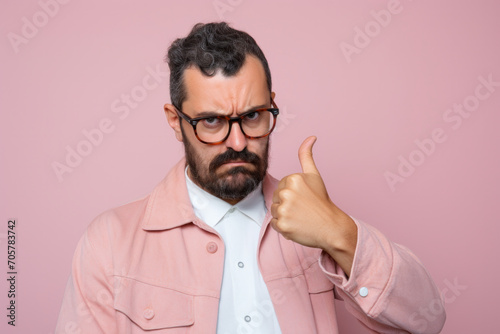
{"x": 231, "y": 155}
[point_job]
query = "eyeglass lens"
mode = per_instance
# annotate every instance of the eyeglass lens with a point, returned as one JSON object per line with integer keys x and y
{"x": 254, "y": 124}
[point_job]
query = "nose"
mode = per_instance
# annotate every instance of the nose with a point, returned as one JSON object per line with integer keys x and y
{"x": 236, "y": 140}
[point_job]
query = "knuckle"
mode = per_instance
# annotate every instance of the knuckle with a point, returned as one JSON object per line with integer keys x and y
{"x": 281, "y": 211}
{"x": 294, "y": 179}
{"x": 282, "y": 182}
{"x": 276, "y": 224}
{"x": 282, "y": 226}
{"x": 286, "y": 194}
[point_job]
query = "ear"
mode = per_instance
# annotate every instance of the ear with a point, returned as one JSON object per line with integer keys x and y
{"x": 273, "y": 94}
{"x": 173, "y": 120}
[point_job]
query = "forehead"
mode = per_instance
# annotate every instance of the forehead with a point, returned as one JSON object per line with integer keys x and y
{"x": 247, "y": 88}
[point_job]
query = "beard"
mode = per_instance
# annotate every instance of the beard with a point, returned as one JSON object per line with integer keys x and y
{"x": 233, "y": 184}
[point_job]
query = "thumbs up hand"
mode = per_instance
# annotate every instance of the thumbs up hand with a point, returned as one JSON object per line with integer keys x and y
{"x": 303, "y": 212}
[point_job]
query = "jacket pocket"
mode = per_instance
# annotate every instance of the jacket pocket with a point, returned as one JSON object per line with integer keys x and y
{"x": 153, "y": 307}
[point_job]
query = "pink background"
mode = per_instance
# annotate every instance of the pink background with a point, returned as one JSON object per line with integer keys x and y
{"x": 367, "y": 110}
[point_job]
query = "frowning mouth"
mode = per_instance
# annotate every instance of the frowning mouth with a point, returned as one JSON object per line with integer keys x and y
{"x": 236, "y": 163}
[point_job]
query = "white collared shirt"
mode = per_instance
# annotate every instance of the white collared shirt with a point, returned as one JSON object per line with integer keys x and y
{"x": 245, "y": 305}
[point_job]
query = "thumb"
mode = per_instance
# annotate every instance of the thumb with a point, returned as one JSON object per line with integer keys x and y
{"x": 306, "y": 156}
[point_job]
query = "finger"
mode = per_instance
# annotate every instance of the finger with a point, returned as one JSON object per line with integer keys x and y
{"x": 273, "y": 223}
{"x": 306, "y": 156}
{"x": 276, "y": 197}
{"x": 274, "y": 210}
{"x": 281, "y": 185}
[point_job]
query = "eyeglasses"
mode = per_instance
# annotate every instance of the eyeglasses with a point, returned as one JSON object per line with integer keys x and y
{"x": 214, "y": 130}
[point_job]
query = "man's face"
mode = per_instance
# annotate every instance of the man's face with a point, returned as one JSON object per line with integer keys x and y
{"x": 232, "y": 169}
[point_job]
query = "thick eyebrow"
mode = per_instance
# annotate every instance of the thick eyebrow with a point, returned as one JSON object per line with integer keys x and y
{"x": 215, "y": 114}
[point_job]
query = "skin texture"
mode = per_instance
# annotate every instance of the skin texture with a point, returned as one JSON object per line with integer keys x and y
{"x": 302, "y": 210}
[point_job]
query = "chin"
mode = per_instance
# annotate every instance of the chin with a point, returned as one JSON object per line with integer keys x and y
{"x": 237, "y": 178}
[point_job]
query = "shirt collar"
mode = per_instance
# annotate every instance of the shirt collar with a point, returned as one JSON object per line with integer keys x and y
{"x": 212, "y": 209}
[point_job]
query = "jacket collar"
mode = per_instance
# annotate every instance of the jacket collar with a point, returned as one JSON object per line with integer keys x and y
{"x": 169, "y": 205}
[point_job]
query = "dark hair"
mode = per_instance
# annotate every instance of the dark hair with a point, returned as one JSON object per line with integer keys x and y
{"x": 210, "y": 47}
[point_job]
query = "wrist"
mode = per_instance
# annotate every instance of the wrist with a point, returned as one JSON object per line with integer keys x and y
{"x": 341, "y": 239}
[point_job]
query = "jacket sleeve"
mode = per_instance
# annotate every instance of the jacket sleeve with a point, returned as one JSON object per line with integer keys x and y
{"x": 389, "y": 290}
{"x": 87, "y": 305}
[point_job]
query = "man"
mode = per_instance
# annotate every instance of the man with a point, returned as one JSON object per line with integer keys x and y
{"x": 220, "y": 246}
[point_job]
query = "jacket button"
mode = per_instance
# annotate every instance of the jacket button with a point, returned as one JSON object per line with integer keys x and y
{"x": 212, "y": 247}
{"x": 148, "y": 313}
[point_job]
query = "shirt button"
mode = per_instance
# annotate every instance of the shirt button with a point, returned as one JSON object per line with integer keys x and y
{"x": 212, "y": 247}
{"x": 148, "y": 313}
{"x": 247, "y": 318}
{"x": 241, "y": 264}
{"x": 363, "y": 292}
{"x": 231, "y": 210}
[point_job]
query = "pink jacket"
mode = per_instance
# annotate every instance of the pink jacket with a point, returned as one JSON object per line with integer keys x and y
{"x": 152, "y": 265}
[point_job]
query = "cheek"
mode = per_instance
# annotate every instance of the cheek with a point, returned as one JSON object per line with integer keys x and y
{"x": 206, "y": 154}
{"x": 258, "y": 146}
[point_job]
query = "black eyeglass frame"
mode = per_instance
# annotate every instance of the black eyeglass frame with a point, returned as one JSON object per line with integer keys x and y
{"x": 194, "y": 121}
